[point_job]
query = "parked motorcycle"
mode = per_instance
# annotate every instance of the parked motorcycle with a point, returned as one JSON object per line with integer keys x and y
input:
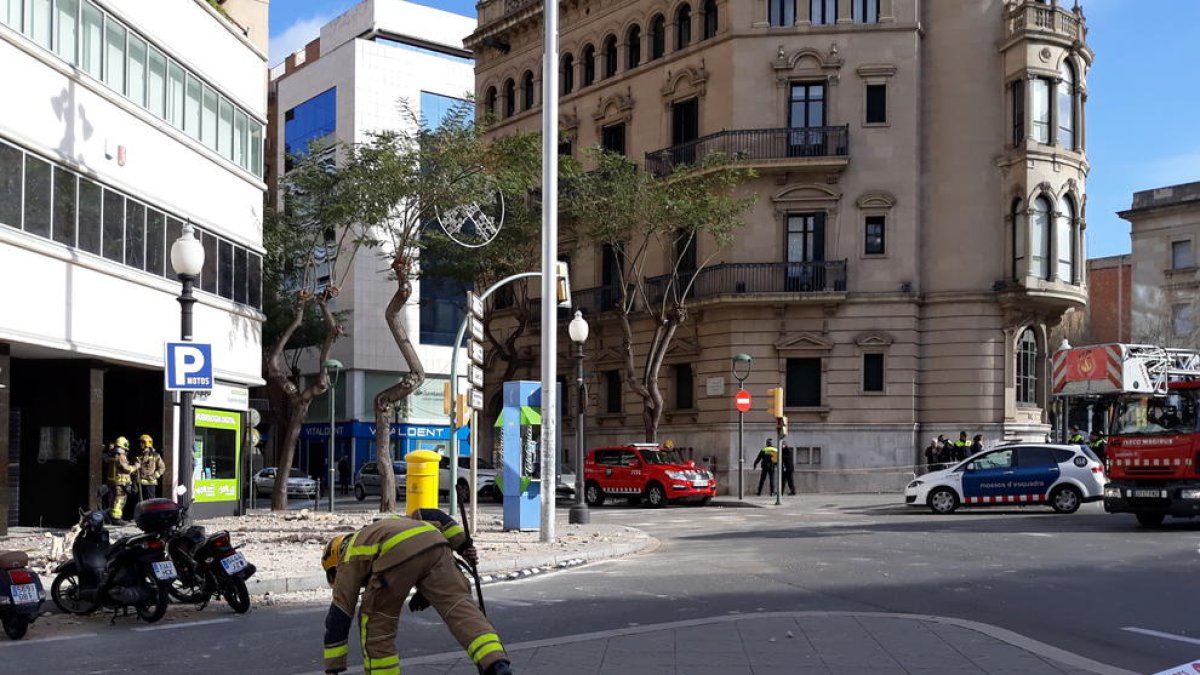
{"x": 208, "y": 566}
{"x": 21, "y": 594}
{"x": 133, "y": 572}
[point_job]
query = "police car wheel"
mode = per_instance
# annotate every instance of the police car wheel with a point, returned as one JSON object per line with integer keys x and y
{"x": 1065, "y": 499}
{"x": 943, "y": 501}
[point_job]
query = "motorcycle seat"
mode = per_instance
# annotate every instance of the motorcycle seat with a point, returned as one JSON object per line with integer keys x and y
{"x": 11, "y": 560}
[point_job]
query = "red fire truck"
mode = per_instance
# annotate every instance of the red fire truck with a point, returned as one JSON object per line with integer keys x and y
{"x": 1150, "y": 397}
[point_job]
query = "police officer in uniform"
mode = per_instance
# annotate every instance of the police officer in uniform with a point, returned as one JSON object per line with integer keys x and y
{"x": 388, "y": 558}
{"x": 962, "y": 447}
{"x": 119, "y": 478}
{"x": 768, "y": 456}
{"x": 1099, "y": 446}
{"x": 150, "y": 467}
{"x": 1076, "y": 437}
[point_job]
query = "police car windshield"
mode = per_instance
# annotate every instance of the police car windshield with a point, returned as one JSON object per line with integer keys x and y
{"x": 660, "y": 456}
{"x": 1155, "y": 415}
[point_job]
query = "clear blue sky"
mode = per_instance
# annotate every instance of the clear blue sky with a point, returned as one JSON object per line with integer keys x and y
{"x": 1142, "y": 109}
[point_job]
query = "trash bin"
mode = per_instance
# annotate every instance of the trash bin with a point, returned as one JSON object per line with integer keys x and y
{"x": 421, "y": 491}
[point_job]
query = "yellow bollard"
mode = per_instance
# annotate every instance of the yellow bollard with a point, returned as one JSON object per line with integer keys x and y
{"x": 421, "y": 491}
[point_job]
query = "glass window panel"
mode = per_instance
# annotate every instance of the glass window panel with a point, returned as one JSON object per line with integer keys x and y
{"x": 11, "y": 13}
{"x": 254, "y": 281}
{"x": 38, "y": 194}
{"x": 1039, "y": 235}
{"x": 1181, "y": 255}
{"x": 174, "y": 232}
{"x": 88, "y": 225}
{"x": 64, "y": 206}
{"x": 315, "y": 119}
{"x": 865, "y": 11}
{"x": 66, "y": 13}
{"x": 225, "y": 270}
{"x": 41, "y": 14}
{"x": 872, "y": 372}
{"x": 156, "y": 83}
{"x": 114, "y": 226}
{"x": 175, "y": 94}
{"x": 256, "y": 148}
{"x": 225, "y": 129}
{"x": 208, "y": 118}
{"x": 10, "y": 185}
{"x": 241, "y": 140}
{"x": 135, "y": 234}
{"x": 1066, "y": 111}
{"x": 876, "y": 104}
{"x": 1039, "y": 94}
{"x": 191, "y": 108}
{"x": 135, "y": 81}
{"x": 114, "y": 54}
{"x": 239, "y": 275}
{"x": 91, "y": 40}
{"x": 208, "y": 276}
{"x": 155, "y": 241}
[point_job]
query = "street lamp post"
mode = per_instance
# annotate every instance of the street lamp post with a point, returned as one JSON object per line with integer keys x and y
{"x": 578, "y": 330}
{"x": 335, "y": 367}
{"x": 187, "y": 259}
{"x": 741, "y": 370}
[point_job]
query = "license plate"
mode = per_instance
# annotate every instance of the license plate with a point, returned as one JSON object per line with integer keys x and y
{"x": 234, "y": 563}
{"x": 699, "y": 483}
{"x": 165, "y": 571}
{"x": 24, "y": 594}
{"x": 1146, "y": 493}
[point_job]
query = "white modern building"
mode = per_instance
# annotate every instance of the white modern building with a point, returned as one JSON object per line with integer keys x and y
{"x": 344, "y": 85}
{"x": 124, "y": 120}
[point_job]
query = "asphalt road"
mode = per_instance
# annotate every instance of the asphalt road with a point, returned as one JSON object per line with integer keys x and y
{"x": 1077, "y": 582}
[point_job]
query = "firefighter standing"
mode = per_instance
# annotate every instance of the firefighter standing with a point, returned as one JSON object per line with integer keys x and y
{"x": 768, "y": 456}
{"x": 119, "y": 478}
{"x": 150, "y": 468}
{"x": 388, "y": 558}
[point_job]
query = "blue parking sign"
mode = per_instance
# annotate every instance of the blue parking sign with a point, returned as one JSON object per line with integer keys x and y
{"x": 189, "y": 366}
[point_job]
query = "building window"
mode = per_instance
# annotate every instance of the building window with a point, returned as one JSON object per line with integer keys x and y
{"x": 568, "y": 74}
{"x": 633, "y": 47}
{"x": 135, "y": 82}
{"x": 91, "y": 43}
{"x": 872, "y": 372}
{"x": 876, "y": 104}
{"x": 1018, "y": 239}
{"x": 309, "y": 122}
{"x": 658, "y": 37}
{"x": 90, "y": 212}
{"x": 527, "y": 90}
{"x": 781, "y": 12}
{"x": 1039, "y": 99}
{"x": 1064, "y": 241}
{"x": 685, "y": 387}
{"x": 874, "y": 236}
{"x": 708, "y": 19}
{"x": 135, "y": 235}
{"x": 441, "y": 310}
{"x": 114, "y": 55}
{"x": 1018, "y": 112}
{"x": 683, "y": 26}
{"x": 1039, "y": 238}
{"x": 808, "y": 455}
{"x": 66, "y": 14}
{"x": 1027, "y": 368}
{"x": 612, "y": 392}
{"x": 612, "y": 138}
{"x": 823, "y": 12}
{"x": 11, "y": 172}
{"x": 610, "y": 56}
{"x": 489, "y": 101}
{"x": 589, "y": 65}
{"x": 156, "y": 84}
{"x": 64, "y": 207}
{"x": 510, "y": 97}
{"x": 1181, "y": 255}
{"x": 865, "y": 11}
{"x": 803, "y": 385}
{"x": 1183, "y": 319}
{"x": 1066, "y": 106}
{"x": 38, "y": 196}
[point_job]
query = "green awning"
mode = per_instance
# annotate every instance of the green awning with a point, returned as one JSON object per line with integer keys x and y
{"x": 529, "y": 416}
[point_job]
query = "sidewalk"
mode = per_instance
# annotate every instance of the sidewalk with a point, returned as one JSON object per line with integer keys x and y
{"x": 785, "y": 643}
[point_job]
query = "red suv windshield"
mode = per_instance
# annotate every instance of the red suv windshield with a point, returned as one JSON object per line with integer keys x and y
{"x": 661, "y": 456}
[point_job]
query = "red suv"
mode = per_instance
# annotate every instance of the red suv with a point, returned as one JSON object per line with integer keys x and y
{"x": 645, "y": 471}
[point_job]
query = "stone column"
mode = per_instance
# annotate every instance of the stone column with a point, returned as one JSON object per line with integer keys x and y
{"x": 95, "y": 433}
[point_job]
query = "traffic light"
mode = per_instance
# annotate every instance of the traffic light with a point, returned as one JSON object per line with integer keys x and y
{"x": 775, "y": 396}
{"x": 562, "y": 285}
{"x": 782, "y": 428}
{"x": 447, "y": 403}
{"x": 462, "y": 416}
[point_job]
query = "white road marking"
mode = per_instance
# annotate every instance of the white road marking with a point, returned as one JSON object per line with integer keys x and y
{"x": 38, "y": 641}
{"x": 306, "y": 610}
{"x": 1036, "y": 534}
{"x": 1165, "y": 636}
{"x": 188, "y": 624}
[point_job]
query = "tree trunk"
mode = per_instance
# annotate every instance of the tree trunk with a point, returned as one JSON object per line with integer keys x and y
{"x": 387, "y": 398}
{"x": 297, "y": 410}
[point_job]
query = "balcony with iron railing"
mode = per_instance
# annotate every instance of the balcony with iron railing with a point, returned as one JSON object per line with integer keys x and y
{"x": 1034, "y": 17}
{"x": 818, "y": 146}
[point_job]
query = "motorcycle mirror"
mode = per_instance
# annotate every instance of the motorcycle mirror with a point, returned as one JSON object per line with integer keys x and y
{"x": 181, "y": 490}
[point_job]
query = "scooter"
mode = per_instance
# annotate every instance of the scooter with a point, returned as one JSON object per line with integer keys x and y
{"x": 208, "y": 565}
{"x": 21, "y": 594}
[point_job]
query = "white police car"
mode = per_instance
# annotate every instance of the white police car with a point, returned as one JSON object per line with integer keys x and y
{"x": 1061, "y": 476}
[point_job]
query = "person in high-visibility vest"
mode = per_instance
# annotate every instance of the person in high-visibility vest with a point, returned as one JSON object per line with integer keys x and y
{"x": 768, "y": 456}
{"x": 1076, "y": 437}
{"x": 150, "y": 468}
{"x": 1099, "y": 447}
{"x": 962, "y": 447}
{"x": 119, "y": 478}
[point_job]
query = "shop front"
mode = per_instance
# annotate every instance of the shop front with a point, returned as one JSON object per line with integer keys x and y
{"x": 217, "y": 471}
{"x": 357, "y": 440}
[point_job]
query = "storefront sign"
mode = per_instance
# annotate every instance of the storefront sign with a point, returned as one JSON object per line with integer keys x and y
{"x": 217, "y": 459}
{"x": 225, "y": 396}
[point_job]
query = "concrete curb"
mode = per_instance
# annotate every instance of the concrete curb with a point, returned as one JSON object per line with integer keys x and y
{"x": 493, "y": 570}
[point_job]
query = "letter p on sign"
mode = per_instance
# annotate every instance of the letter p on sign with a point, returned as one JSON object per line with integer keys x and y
{"x": 189, "y": 366}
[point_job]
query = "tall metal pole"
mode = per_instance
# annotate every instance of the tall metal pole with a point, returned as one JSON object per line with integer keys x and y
{"x": 579, "y": 513}
{"x": 549, "y": 260}
{"x": 741, "y": 455}
{"x": 187, "y": 421}
{"x": 332, "y": 438}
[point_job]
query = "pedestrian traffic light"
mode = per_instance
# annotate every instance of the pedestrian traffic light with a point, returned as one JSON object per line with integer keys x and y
{"x": 562, "y": 286}
{"x": 461, "y": 414}
{"x": 775, "y": 399}
{"x": 782, "y": 423}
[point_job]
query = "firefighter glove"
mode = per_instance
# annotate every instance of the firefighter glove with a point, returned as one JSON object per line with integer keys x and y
{"x": 470, "y": 555}
{"x": 418, "y": 602}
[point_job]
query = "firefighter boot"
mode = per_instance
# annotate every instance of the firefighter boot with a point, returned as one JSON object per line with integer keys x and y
{"x": 499, "y": 668}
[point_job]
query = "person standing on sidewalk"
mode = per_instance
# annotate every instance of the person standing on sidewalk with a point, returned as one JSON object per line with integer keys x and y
{"x": 150, "y": 467}
{"x": 343, "y": 474}
{"x": 387, "y": 558}
{"x": 768, "y": 456}
{"x": 789, "y": 468}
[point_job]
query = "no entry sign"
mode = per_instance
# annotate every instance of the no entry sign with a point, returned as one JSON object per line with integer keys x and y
{"x": 742, "y": 400}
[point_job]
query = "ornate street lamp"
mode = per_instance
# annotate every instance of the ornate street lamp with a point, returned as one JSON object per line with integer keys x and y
{"x": 740, "y": 367}
{"x": 335, "y": 367}
{"x": 187, "y": 259}
{"x": 578, "y": 330}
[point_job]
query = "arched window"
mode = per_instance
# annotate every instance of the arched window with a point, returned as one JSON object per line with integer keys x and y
{"x": 589, "y": 65}
{"x": 610, "y": 56}
{"x": 510, "y": 97}
{"x": 527, "y": 90}
{"x": 1019, "y": 235}
{"x": 782, "y": 12}
{"x": 683, "y": 26}
{"x": 1039, "y": 238}
{"x": 489, "y": 101}
{"x": 1064, "y": 241}
{"x": 568, "y": 74}
{"x": 1066, "y": 106}
{"x": 633, "y": 47}
{"x": 1027, "y": 368}
{"x": 658, "y": 37}
{"x": 708, "y": 19}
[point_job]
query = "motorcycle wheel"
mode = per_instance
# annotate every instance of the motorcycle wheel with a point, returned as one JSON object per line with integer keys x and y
{"x": 237, "y": 595}
{"x": 65, "y": 592}
{"x": 15, "y": 627}
{"x": 155, "y": 609}
{"x": 187, "y": 593}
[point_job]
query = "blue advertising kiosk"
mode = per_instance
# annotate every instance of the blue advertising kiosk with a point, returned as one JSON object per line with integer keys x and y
{"x": 519, "y": 454}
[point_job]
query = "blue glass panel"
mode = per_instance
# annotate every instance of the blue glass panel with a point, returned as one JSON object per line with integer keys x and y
{"x": 435, "y": 108}
{"x": 312, "y": 120}
{"x": 442, "y": 310}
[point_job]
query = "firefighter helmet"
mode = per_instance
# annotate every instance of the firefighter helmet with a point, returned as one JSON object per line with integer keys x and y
{"x": 122, "y": 442}
{"x": 335, "y": 552}
{"x": 147, "y": 439}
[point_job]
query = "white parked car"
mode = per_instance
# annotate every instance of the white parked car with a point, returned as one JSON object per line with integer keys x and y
{"x": 298, "y": 483}
{"x": 1060, "y": 476}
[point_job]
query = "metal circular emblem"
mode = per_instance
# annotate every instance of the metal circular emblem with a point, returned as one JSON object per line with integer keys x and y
{"x": 473, "y": 225}
{"x": 1081, "y": 461}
